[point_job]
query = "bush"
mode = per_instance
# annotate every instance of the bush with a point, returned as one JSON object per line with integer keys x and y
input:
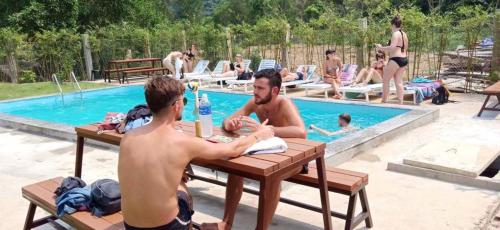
{"x": 27, "y": 76}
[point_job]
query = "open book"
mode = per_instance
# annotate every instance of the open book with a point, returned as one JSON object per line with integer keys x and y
{"x": 271, "y": 145}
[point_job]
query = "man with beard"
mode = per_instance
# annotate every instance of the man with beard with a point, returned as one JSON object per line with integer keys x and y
{"x": 284, "y": 119}
{"x": 153, "y": 158}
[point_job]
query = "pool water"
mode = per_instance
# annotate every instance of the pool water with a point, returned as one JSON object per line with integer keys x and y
{"x": 77, "y": 110}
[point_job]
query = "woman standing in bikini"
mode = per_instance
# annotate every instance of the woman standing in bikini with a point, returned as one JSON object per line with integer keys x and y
{"x": 332, "y": 67}
{"x": 398, "y": 51}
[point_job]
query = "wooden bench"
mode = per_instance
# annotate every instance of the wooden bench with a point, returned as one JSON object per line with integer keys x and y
{"x": 148, "y": 71}
{"x": 107, "y": 73}
{"x": 42, "y": 195}
{"x": 346, "y": 182}
{"x": 493, "y": 90}
{"x": 349, "y": 183}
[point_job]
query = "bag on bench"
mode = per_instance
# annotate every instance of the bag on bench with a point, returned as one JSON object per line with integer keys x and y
{"x": 105, "y": 197}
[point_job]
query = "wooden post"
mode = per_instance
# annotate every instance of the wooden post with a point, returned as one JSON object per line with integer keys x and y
{"x": 284, "y": 48}
{"x": 147, "y": 47}
{"x": 229, "y": 46}
{"x": 495, "y": 59}
{"x": 11, "y": 59}
{"x": 184, "y": 39}
{"x": 361, "y": 45}
{"x": 87, "y": 56}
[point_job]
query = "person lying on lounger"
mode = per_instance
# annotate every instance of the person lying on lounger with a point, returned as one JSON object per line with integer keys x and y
{"x": 285, "y": 121}
{"x": 286, "y": 75}
{"x": 233, "y": 69}
{"x": 153, "y": 158}
{"x": 344, "y": 123}
{"x": 373, "y": 73}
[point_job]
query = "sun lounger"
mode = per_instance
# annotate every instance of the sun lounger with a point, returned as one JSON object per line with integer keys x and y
{"x": 363, "y": 89}
{"x": 199, "y": 69}
{"x": 205, "y": 77}
{"x": 346, "y": 78}
{"x": 493, "y": 90}
{"x": 308, "y": 79}
{"x": 264, "y": 64}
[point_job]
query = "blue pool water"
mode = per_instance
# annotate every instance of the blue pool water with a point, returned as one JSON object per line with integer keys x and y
{"x": 75, "y": 111}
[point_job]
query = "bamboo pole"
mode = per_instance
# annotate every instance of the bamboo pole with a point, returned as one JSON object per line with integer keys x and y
{"x": 229, "y": 45}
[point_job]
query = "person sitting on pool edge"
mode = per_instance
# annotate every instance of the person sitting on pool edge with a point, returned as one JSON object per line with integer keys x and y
{"x": 153, "y": 157}
{"x": 284, "y": 118}
{"x": 344, "y": 123}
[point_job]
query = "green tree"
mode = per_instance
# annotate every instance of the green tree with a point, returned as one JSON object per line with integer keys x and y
{"x": 46, "y": 15}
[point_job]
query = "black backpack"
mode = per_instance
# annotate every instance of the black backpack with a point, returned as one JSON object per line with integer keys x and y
{"x": 105, "y": 197}
{"x": 441, "y": 96}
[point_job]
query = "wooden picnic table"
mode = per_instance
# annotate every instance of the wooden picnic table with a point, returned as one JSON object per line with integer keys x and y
{"x": 492, "y": 90}
{"x": 268, "y": 169}
{"x": 117, "y": 67}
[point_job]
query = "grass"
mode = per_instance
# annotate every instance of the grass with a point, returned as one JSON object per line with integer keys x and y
{"x": 12, "y": 91}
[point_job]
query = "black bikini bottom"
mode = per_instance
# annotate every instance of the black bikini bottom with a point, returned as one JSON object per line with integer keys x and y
{"x": 401, "y": 61}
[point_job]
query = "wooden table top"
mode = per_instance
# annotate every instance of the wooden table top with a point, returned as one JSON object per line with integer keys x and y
{"x": 493, "y": 89}
{"x": 135, "y": 60}
{"x": 262, "y": 164}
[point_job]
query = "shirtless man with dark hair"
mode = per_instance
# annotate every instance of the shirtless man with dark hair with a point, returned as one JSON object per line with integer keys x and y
{"x": 284, "y": 119}
{"x": 153, "y": 158}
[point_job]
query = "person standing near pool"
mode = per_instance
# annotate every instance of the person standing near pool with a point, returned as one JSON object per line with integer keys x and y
{"x": 398, "y": 52}
{"x": 153, "y": 158}
{"x": 167, "y": 61}
{"x": 284, "y": 120}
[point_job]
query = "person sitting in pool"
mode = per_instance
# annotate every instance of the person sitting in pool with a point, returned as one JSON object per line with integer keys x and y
{"x": 344, "y": 123}
{"x": 153, "y": 157}
{"x": 286, "y": 75}
{"x": 373, "y": 73}
{"x": 285, "y": 121}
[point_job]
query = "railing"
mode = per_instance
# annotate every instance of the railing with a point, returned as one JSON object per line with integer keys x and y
{"x": 77, "y": 84}
{"x": 54, "y": 78}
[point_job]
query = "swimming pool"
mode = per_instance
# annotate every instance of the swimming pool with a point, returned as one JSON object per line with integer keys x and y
{"x": 75, "y": 110}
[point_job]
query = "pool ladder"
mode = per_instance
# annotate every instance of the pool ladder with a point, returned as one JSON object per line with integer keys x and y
{"x": 56, "y": 80}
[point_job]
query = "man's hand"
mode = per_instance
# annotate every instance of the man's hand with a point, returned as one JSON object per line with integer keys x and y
{"x": 264, "y": 131}
{"x": 233, "y": 124}
{"x": 250, "y": 123}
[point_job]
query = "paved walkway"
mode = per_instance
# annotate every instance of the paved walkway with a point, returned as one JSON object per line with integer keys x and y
{"x": 397, "y": 201}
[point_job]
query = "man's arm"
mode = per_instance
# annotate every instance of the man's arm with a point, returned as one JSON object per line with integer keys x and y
{"x": 200, "y": 148}
{"x": 233, "y": 123}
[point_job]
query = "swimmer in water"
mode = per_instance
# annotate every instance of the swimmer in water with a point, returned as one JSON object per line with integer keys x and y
{"x": 344, "y": 123}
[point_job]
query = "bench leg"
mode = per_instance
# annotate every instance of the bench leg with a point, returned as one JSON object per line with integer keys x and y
{"x": 351, "y": 209}
{"x": 366, "y": 208}
{"x": 28, "y": 223}
{"x": 484, "y": 105}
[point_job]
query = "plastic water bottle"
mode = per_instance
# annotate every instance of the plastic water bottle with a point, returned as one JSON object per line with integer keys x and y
{"x": 206, "y": 117}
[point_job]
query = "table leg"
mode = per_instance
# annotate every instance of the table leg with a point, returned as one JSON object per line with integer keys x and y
{"x": 323, "y": 188}
{"x": 268, "y": 200}
{"x": 79, "y": 156}
{"x": 484, "y": 105}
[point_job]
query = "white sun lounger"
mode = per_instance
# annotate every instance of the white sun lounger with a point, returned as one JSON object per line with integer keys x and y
{"x": 307, "y": 79}
{"x": 365, "y": 89}
{"x": 205, "y": 77}
{"x": 199, "y": 69}
{"x": 346, "y": 78}
{"x": 264, "y": 64}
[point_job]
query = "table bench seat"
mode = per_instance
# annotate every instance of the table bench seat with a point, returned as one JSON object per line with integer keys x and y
{"x": 107, "y": 73}
{"x": 345, "y": 182}
{"x": 493, "y": 90}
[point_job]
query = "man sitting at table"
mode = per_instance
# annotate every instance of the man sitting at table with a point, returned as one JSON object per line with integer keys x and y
{"x": 284, "y": 119}
{"x": 153, "y": 158}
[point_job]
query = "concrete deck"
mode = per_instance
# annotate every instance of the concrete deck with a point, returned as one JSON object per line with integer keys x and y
{"x": 398, "y": 201}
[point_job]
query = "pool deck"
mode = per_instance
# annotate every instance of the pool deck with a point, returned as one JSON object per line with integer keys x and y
{"x": 397, "y": 201}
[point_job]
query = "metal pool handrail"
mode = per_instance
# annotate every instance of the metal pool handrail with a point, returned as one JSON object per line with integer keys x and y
{"x": 77, "y": 84}
{"x": 54, "y": 78}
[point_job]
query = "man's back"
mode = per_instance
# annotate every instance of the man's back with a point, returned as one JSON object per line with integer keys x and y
{"x": 150, "y": 169}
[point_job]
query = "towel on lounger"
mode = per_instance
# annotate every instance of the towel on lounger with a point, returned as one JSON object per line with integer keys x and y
{"x": 271, "y": 145}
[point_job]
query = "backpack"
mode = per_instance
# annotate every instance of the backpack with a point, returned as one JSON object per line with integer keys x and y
{"x": 441, "y": 96}
{"x": 105, "y": 197}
